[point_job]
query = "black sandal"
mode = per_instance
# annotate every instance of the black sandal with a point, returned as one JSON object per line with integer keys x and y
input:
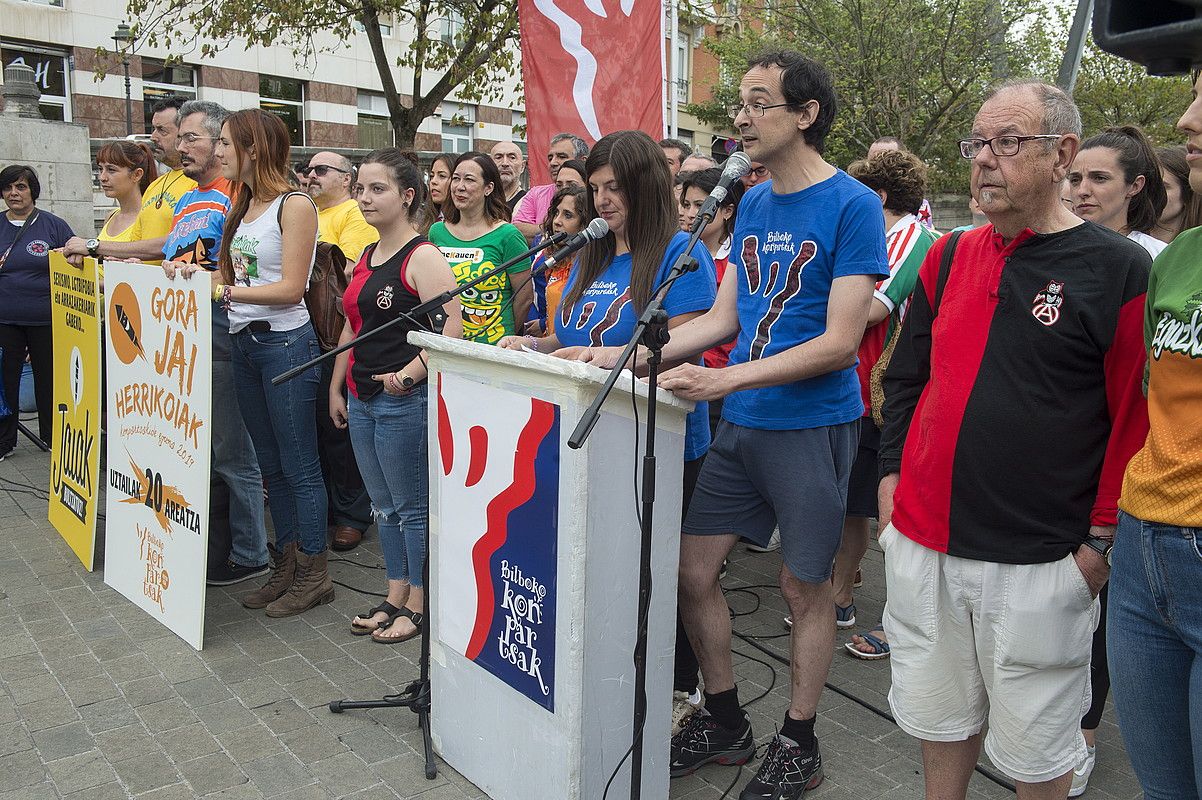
{"x": 385, "y": 607}
{"x": 416, "y": 617}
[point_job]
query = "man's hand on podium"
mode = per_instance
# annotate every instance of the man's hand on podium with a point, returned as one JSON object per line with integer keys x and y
{"x": 693, "y": 382}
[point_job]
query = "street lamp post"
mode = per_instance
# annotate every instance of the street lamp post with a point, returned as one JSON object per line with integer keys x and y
{"x": 123, "y": 38}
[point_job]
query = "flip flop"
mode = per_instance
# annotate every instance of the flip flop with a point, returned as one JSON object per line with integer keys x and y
{"x": 880, "y": 648}
{"x": 416, "y": 617}
{"x": 386, "y": 608}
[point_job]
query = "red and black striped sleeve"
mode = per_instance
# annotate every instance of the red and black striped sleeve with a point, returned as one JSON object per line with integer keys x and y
{"x": 1128, "y": 408}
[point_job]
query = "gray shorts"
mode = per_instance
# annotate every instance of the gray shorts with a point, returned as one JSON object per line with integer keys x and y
{"x": 756, "y": 480}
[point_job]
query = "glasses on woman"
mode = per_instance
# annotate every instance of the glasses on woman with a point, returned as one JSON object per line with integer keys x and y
{"x": 1000, "y": 145}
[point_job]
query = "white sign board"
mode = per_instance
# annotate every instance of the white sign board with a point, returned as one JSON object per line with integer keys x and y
{"x": 158, "y": 342}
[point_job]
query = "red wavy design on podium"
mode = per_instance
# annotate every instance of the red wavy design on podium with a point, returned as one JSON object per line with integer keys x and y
{"x": 446, "y": 441}
{"x": 478, "y": 437}
{"x": 519, "y": 491}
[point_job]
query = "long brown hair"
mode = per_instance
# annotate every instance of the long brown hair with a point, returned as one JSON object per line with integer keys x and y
{"x": 651, "y": 220}
{"x": 495, "y": 207}
{"x": 432, "y": 210}
{"x": 266, "y": 134}
{"x": 130, "y": 155}
{"x": 1173, "y": 159}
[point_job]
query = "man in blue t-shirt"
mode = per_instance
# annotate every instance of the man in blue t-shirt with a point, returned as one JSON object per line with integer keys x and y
{"x": 807, "y": 251}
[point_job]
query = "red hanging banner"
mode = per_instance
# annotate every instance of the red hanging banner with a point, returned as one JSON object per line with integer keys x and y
{"x": 590, "y": 67}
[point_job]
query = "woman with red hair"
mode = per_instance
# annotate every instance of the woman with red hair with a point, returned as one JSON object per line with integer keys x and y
{"x": 266, "y": 255}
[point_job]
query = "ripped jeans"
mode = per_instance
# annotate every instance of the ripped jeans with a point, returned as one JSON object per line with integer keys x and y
{"x": 388, "y": 435}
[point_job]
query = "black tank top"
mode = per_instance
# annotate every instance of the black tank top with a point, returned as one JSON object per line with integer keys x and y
{"x": 377, "y": 295}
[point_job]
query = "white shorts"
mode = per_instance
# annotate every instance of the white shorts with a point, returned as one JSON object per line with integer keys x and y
{"x": 971, "y": 639}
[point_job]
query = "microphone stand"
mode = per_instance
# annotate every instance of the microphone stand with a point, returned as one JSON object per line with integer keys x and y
{"x": 432, "y": 307}
{"x": 651, "y": 331}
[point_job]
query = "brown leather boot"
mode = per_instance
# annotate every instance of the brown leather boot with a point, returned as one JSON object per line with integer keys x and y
{"x": 311, "y": 587}
{"x": 283, "y": 572}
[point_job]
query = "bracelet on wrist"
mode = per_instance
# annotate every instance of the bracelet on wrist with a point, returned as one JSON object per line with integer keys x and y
{"x": 533, "y": 343}
{"x": 227, "y": 295}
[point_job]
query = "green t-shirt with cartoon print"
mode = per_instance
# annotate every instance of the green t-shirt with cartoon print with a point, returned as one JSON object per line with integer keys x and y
{"x": 488, "y": 312}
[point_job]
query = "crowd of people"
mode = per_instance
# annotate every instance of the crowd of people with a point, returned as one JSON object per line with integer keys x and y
{"x": 1014, "y": 402}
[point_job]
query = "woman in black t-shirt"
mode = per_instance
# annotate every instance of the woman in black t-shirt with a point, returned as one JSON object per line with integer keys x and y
{"x": 386, "y": 377}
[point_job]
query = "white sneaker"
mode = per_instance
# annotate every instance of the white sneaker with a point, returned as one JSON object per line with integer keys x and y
{"x": 1082, "y": 772}
{"x": 773, "y": 544}
{"x": 684, "y": 705}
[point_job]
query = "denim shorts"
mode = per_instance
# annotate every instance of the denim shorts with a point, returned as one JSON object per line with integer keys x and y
{"x": 754, "y": 481}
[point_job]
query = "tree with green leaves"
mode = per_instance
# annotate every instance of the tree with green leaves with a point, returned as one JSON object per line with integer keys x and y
{"x": 474, "y": 61}
{"x": 914, "y": 69}
{"x": 1113, "y": 91}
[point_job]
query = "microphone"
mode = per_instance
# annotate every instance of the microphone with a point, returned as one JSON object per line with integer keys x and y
{"x": 737, "y": 165}
{"x": 595, "y": 230}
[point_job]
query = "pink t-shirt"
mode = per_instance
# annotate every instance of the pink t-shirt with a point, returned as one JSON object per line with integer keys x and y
{"x": 533, "y": 208}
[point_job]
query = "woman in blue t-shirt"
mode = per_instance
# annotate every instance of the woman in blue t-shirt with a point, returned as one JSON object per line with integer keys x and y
{"x": 27, "y": 235}
{"x": 629, "y": 186}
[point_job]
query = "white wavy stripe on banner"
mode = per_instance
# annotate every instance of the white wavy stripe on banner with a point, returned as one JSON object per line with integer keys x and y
{"x": 586, "y": 64}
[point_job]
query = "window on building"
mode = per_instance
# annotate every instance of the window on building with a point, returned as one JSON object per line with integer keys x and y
{"x": 50, "y": 71}
{"x": 375, "y": 128}
{"x": 161, "y": 80}
{"x": 518, "y": 130}
{"x": 686, "y": 136}
{"x": 451, "y": 26}
{"x": 457, "y": 122}
{"x": 683, "y": 51}
{"x": 285, "y": 98}
{"x": 55, "y": 3}
{"x": 385, "y": 26}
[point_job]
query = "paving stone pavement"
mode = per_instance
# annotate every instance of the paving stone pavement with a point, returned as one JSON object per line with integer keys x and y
{"x": 100, "y": 701}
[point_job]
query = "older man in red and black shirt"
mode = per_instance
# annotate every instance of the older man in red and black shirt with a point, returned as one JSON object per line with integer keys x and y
{"x": 1012, "y": 406}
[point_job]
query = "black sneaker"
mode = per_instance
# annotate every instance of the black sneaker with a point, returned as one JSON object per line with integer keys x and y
{"x": 702, "y": 741}
{"x": 230, "y": 573}
{"x": 786, "y": 773}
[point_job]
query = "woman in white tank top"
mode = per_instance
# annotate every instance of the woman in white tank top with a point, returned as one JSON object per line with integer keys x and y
{"x": 266, "y": 255}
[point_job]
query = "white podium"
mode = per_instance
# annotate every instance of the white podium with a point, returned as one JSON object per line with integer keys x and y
{"x": 534, "y": 571}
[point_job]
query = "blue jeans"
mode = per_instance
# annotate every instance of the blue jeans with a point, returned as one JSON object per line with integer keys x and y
{"x": 1155, "y": 649}
{"x": 282, "y": 423}
{"x": 389, "y": 437}
{"x": 234, "y": 461}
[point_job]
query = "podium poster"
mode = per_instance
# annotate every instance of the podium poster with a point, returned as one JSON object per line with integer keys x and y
{"x": 498, "y": 456}
{"x": 74, "y": 451}
{"x": 158, "y": 336}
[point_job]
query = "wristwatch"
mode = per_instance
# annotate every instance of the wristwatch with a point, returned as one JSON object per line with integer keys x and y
{"x": 1103, "y": 547}
{"x": 93, "y": 246}
{"x": 406, "y": 382}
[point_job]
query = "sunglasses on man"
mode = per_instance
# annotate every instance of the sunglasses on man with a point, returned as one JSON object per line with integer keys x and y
{"x": 321, "y": 170}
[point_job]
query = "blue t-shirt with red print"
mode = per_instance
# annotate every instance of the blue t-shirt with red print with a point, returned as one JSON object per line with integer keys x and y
{"x": 605, "y": 315}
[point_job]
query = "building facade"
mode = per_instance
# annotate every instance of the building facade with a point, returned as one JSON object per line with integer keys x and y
{"x": 334, "y": 102}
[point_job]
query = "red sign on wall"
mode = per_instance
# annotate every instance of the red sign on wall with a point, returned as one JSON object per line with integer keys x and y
{"x": 591, "y": 67}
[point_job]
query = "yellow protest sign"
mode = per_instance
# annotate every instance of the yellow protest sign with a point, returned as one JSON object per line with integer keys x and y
{"x": 75, "y": 452}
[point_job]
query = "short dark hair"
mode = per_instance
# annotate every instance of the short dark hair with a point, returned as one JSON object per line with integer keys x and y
{"x": 15, "y": 172}
{"x": 574, "y": 164}
{"x": 901, "y": 175}
{"x": 803, "y": 79}
{"x": 675, "y": 144}
{"x": 169, "y": 103}
{"x": 1136, "y": 157}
